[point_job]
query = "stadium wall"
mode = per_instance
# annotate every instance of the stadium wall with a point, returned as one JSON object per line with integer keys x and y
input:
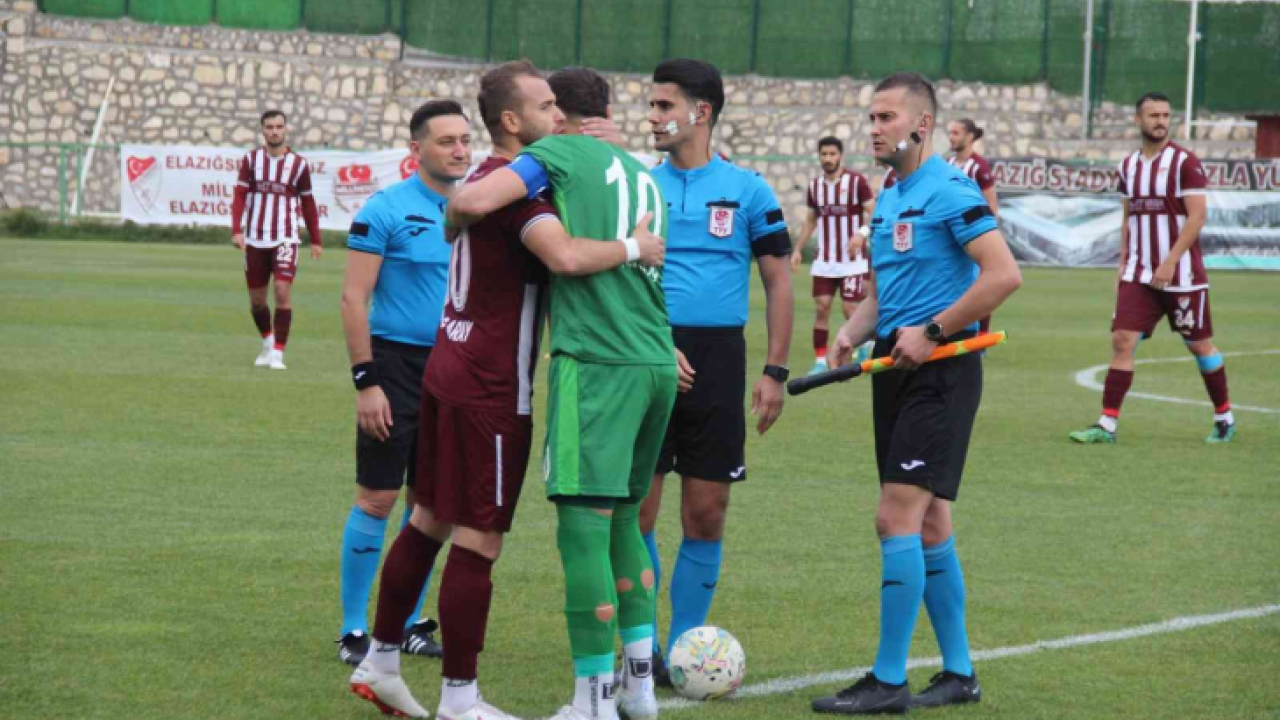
{"x": 208, "y": 85}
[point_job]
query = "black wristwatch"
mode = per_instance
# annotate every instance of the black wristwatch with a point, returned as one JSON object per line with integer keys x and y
{"x": 933, "y": 332}
{"x": 777, "y": 372}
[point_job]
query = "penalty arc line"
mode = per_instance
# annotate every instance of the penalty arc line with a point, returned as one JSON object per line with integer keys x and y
{"x": 1178, "y": 624}
{"x": 1088, "y": 378}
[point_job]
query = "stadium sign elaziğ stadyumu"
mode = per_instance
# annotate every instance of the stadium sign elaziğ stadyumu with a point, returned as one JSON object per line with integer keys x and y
{"x": 1041, "y": 175}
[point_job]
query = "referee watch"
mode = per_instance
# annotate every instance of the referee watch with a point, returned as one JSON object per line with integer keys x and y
{"x": 933, "y": 332}
{"x": 777, "y": 372}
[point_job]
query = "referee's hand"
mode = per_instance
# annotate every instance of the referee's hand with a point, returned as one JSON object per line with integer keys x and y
{"x": 373, "y": 413}
{"x": 766, "y": 402}
{"x": 841, "y": 351}
{"x": 912, "y": 349}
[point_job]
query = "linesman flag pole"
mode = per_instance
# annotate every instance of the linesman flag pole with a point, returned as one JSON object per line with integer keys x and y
{"x": 799, "y": 386}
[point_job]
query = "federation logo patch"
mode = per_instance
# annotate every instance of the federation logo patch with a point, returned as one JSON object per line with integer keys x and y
{"x": 720, "y": 223}
{"x": 903, "y": 239}
{"x": 144, "y": 180}
{"x": 408, "y": 166}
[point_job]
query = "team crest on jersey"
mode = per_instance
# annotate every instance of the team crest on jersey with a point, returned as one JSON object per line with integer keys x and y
{"x": 1184, "y": 302}
{"x": 721, "y": 222}
{"x": 354, "y": 185}
{"x": 902, "y": 236}
{"x": 144, "y": 180}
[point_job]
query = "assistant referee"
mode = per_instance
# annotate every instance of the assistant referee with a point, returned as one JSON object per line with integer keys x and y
{"x": 939, "y": 264}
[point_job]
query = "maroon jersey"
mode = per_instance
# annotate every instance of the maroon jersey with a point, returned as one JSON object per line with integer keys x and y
{"x": 839, "y": 207}
{"x": 976, "y": 168}
{"x": 890, "y": 179}
{"x": 270, "y": 194}
{"x": 488, "y": 341}
{"x": 1155, "y": 190}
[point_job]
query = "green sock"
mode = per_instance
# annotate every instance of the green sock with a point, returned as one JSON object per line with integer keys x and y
{"x": 630, "y": 559}
{"x": 583, "y": 539}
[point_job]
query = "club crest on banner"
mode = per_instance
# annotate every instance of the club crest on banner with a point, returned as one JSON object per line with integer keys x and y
{"x": 902, "y": 236}
{"x": 721, "y": 222}
{"x": 354, "y": 185}
{"x": 144, "y": 179}
{"x": 408, "y": 166}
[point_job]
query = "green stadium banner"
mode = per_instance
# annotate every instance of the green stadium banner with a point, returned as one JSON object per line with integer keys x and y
{"x": 168, "y": 12}
{"x": 356, "y": 17}
{"x": 85, "y": 8}
{"x": 1238, "y": 61}
{"x": 260, "y": 14}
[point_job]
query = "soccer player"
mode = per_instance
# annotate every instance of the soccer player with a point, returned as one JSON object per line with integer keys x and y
{"x": 963, "y": 133}
{"x": 836, "y": 200}
{"x": 398, "y": 259}
{"x": 477, "y": 401}
{"x": 721, "y": 217}
{"x": 1161, "y": 271}
{"x": 939, "y": 263}
{"x": 273, "y": 188}
{"x": 613, "y": 380}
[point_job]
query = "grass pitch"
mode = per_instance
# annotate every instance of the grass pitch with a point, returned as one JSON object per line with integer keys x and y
{"x": 170, "y": 516}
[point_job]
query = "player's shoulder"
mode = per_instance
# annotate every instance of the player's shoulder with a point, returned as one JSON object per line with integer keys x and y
{"x": 1188, "y": 155}
{"x": 980, "y": 161}
{"x": 855, "y": 175}
{"x": 486, "y": 167}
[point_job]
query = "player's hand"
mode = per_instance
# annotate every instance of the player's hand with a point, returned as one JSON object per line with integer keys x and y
{"x": 856, "y": 243}
{"x": 684, "y": 372}
{"x": 796, "y": 259}
{"x": 316, "y": 251}
{"x": 1163, "y": 276}
{"x": 841, "y": 351}
{"x": 912, "y": 349}
{"x": 766, "y": 402}
{"x": 604, "y": 129}
{"x": 373, "y": 413}
{"x": 238, "y": 240}
{"x": 653, "y": 249}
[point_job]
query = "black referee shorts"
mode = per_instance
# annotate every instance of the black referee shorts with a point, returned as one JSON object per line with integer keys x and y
{"x": 707, "y": 435}
{"x": 924, "y": 418}
{"x": 388, "y": 464}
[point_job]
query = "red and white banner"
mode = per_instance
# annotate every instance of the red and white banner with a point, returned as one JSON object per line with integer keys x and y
{"x": 193, "y": 185}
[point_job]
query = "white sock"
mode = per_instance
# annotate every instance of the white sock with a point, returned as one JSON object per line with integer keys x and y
{"x": 269, "y": 341}
{"x": 593, "y": 696}
{"x": 384, "y": 657}
{"x": 1108, "y": 423}
{"x": 638, "y": 656}
{"x": 1225, "y": 417}
{"x": 459, "y": 695}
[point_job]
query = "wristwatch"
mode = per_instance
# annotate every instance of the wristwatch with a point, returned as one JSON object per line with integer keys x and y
{"x": 777, "y": 372}
{"x": 933, "y": 332}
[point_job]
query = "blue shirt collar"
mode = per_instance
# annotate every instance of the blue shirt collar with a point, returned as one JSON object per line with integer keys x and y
{"x": 416, "y": 180}
{"x": 927, "y": 167}
{"x": 695, "y": 173}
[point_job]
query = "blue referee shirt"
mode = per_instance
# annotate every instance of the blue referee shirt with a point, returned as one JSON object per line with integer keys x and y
{"x": 405, "y": 225}
{"x": 717, "y": 213}
{"x": 918, "y": 234}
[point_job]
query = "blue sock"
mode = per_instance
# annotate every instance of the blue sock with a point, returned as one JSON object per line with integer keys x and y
{"x": 651, "y": 542}
{"x": 693, "y": 586}
{"x": 944, "y": 597}
{"x": 361, "y": 550}
{"x": 901, "y": 589}
{"x": 417, "y": 610}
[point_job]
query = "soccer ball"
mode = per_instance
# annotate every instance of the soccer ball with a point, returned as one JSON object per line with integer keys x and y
{"x": 706, "y": 663}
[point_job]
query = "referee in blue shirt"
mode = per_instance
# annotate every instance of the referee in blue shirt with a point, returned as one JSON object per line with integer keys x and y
{"x": 939, "y": 264}
{"x": 398, "y": 259}
{"x": 721, "y": 218}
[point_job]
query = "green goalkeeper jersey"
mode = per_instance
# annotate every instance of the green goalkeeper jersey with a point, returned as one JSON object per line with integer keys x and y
{"x": 616, "y": 317}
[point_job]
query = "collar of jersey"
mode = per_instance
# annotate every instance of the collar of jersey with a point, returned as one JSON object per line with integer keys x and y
{"x": 698, "y": 172}
{"x": 432, "y": 195}
{"x": 926, "y": 168}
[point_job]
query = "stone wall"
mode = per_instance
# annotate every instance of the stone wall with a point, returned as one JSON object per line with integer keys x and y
{"x": 208, "y": 85}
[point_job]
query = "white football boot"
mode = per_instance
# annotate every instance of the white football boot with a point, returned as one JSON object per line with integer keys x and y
{"x": 276, "y": 361}
{"x": 480, "y": 711}
{"x": 388, "y": 692}
{"x": 264, "y": 355}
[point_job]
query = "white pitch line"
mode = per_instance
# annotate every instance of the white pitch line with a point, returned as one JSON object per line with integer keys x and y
{"x": 1179, "y": 624}
{"x": 1088, "y": 378}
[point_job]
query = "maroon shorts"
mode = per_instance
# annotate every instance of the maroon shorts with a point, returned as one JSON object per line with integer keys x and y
{"x": 471, "y": 464}
{"x": 1139, "y": 308}
{"x": 852, "y": 288}
{"x": 261, "y": 263}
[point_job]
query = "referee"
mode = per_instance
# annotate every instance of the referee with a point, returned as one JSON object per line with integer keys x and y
{"x": 398, "y": 258}
{"x": 939, "y": 264}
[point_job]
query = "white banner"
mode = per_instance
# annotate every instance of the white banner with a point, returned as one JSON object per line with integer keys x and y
{"x": 193, "y": 185}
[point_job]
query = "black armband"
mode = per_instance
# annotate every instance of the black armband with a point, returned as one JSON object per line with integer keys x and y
{"x": 777, "y": 244}
{"x": 364, "y": 375}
